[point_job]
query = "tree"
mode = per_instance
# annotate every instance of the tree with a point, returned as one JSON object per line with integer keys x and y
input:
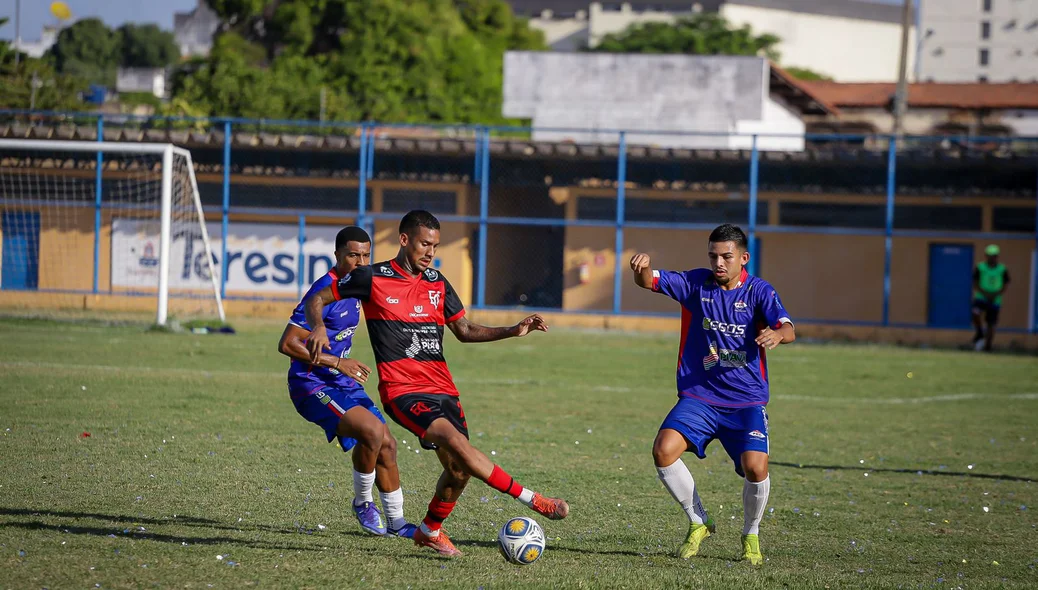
{"x": 146, "y": 46}
{"x": 422, "y": 60}
{"x": 706, "y": 33}
{"x": 87, "y": 49}
{"x": 35, "y": 84}
{"x": 806, "y": 74}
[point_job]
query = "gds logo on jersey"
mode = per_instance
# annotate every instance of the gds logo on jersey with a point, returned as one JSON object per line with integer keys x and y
{"x": 722, "y": 327}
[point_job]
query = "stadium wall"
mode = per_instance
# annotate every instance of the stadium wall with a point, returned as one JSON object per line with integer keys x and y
{"x": 823, "y": 276}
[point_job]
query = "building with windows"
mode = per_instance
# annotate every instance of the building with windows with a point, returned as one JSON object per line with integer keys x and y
{"x": 848, "y": 40}
{"x": 978, "y": 41}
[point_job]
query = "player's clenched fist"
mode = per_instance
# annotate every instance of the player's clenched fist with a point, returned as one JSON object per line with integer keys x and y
{"x": 640, "y": 262}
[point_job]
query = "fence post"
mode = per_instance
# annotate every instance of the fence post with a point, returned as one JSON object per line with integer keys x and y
{"x": 226, "y": 209}
{"x": 889, "y": 232}
{"x": 301, "y": 279}
{"x": 621, "y": 196}
{"x": 483, "y": 147}
{"x": 362, "y": 195}
{"x": 1034, "y": 278}
{"x": 97, "y": 202}
{"x": 754, "y": 173}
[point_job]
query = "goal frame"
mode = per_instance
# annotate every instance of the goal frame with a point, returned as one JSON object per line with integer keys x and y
{"x": 167, "y": 151}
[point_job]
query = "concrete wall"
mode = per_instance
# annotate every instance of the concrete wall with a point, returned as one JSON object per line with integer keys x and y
{"x": 585, "y": 92}
{"x": 848, "y": 50}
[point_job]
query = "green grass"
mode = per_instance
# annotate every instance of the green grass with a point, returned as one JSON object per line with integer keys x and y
{"x": 879, "y": 481}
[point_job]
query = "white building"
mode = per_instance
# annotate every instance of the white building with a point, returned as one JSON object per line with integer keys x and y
{"x": 978, "y": 41}
{"x": 658, "y": 100}
{"x": 48, "y": 38}
{"x": 194, "y": 30}
{"x": 150, "y": 80}
{"x": 848, "y": 40}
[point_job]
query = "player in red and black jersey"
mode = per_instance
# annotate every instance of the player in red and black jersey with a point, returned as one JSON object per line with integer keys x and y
{"x": 406, "y": 305}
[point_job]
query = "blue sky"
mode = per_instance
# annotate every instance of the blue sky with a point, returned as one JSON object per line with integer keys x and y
{"x": 36, "y": 13}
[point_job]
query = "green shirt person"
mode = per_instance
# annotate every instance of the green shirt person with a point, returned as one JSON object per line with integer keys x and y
{"x": 990, "y": 279}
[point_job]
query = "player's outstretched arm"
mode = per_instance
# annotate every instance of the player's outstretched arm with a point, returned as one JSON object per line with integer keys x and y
{"x": 466, "y": 331}
{"x": 293, "y": 345}
{"x": 642, "y": 267}
{"x": 318, "y": 341}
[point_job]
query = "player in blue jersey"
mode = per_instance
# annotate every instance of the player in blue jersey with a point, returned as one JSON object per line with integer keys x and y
{"x": 729, "y": 320}
{"x": 331, "y": 395}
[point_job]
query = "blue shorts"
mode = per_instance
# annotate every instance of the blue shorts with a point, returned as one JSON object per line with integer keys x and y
{"x": 326, "y": 408}
{"x": 738, "y": 429}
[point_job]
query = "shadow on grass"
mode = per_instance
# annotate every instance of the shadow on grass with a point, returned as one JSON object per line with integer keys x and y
{"x": 908, "y": 471}
{"x": 149, "y": 536}
{"x": 493, "y": 544}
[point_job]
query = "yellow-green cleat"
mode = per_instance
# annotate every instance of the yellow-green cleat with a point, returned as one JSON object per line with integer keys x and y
{"x": 751, "y": 549}
{"x": 696, "y": 534}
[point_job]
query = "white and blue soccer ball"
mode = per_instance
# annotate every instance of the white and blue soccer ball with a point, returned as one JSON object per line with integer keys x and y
{"x": 521, "y": 541}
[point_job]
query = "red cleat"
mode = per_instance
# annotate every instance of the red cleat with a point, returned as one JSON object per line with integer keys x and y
{"x": 553, "y": 508}
{"x": 441, "y": 543}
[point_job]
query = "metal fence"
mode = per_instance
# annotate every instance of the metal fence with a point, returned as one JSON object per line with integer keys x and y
{"x": 542, "y": 223}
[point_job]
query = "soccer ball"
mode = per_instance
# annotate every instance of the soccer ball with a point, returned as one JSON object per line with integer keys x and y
{"x": 521, "y": 541}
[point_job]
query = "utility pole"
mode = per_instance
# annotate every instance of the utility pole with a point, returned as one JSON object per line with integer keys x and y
{"x": 17, "y": 32}
{"x": 901, "y": 97}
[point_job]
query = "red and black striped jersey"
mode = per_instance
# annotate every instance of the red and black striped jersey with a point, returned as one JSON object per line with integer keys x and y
{"x": 405, "y": 316}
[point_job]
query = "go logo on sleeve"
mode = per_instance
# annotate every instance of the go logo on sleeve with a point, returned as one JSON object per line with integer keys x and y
{"x": 733, "y": 329}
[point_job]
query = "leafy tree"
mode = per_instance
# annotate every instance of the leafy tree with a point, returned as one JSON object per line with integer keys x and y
{"x": 146, "y": 46}
{"x": 806, "y": 74}
{"x": 422, "y": 60}
{"x": 87, "y": 49}
{"x": 53, "y": 91}
{"x": 706, "y": 33}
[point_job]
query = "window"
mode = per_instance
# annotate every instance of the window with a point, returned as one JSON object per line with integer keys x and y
{"x": 983, "y": 57}
{"x": 986, "y": 5}
{"x": 985, "y": 29}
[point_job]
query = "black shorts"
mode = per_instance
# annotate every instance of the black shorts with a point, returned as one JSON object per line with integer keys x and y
{"x": 417, "y": 411}
{"x": 989, "y": 309}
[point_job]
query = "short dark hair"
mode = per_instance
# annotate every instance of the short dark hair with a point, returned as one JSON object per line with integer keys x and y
{"x": 729, "y": 233}
{"x": 351, "y": 234}
{"x": 418, "y": 218}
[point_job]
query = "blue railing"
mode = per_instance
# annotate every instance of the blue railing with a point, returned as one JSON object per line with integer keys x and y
{"x": 481, "y": 176}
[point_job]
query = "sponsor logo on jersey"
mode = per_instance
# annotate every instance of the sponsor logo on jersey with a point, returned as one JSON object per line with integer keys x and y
{"x": 732, "y": 358}
{"x": 386, "y": 270}
{"x": 431, "y": 274}
{"x": 741, "y": 306}
{"x": 418, "y": 309}
{"x": 724, "y": 328}
{"x": 706, "y": 300}
{"x": 758, "y": 434}
{"x": 392, "y": 300}
{"x": 344, "y": 334}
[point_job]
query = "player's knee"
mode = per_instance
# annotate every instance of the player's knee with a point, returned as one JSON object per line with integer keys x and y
{"x": 756, "y": 471}
{"x": 370, "y": 435}
{"x": 665, "y": 452}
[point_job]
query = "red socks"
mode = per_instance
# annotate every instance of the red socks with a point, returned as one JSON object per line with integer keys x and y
{"x": 502, "y": 482}
{"x": 438, "y": 511}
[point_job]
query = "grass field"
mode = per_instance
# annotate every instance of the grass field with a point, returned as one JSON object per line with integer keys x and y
{"x": 195, "y": 453}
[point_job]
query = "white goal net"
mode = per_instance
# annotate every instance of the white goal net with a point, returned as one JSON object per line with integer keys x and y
{"x": 106, "y": 227}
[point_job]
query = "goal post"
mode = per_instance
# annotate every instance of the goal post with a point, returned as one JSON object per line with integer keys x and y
{"x": 57, "y": 206}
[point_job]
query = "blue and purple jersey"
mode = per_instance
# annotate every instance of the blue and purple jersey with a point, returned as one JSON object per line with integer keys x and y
{"x": 718, "y": 361}
{"x": 340, "y": 319}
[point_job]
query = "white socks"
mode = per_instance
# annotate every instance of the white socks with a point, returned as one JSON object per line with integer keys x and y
{"x": 393, "y": 508}
{"x": 678, "y": 481}
{"x": 362, "y": 485}
{"x": 754, "y": 500}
